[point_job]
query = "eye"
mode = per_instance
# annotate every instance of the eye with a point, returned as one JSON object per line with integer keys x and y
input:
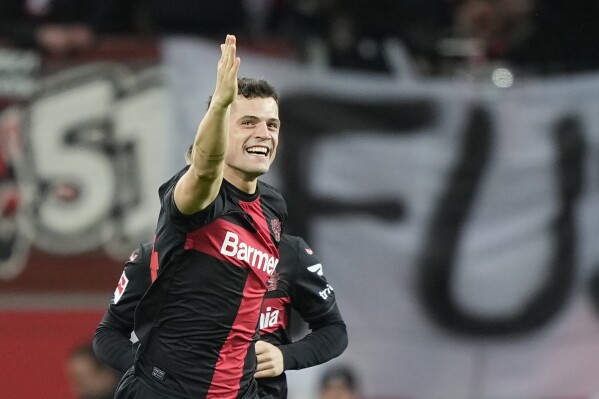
{"x": 247, "y": 123}
{"x": 273, "y": 126}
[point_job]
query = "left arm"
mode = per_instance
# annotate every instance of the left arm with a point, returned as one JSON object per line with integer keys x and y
{"x": 327, "y": 340}
{"x": 314, "y": 299}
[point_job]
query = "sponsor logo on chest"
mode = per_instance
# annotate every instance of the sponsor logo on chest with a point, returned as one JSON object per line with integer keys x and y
{"x": 232, "y": 246}
{"x": 270, "y": 318}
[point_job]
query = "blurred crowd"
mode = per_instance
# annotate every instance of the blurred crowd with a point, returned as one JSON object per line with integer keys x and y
{"x": 440, "y": 36}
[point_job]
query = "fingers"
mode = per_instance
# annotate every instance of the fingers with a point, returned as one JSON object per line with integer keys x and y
{"x": 261, "y": 347}
{"x": 227, "y": 70}
{"x": 229, "y": 58}
{"x": 269, "y": 359}
{"x": 228, "y": 51}
{"x": 264, "y": 374}
{"x": 263, "y": 355}
{"x": 264, "y": 365}
{"x": 265, "y": 369}
{"x": 235, "y": 68}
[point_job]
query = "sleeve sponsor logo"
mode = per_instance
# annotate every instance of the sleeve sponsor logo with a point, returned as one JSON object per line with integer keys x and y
{"x": 327, "y": 292}
{"x": 317, "y": 268}
{"x": 120, "y": 289}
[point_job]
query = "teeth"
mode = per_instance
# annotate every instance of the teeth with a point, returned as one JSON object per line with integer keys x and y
{"x": 258, "y": 150}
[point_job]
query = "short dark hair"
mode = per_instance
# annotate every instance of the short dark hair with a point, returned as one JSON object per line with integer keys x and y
{"x": 252, "y": 88}
{"x": 249, "y": 88}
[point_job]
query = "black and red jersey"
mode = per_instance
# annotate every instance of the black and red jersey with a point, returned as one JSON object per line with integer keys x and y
{"x": 198, "y": 319}
{"x": 298, "y": 283}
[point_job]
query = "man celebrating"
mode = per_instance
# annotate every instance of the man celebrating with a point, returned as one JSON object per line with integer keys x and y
{"x": 297, "y": 283}
{"x": 216, "y": 246}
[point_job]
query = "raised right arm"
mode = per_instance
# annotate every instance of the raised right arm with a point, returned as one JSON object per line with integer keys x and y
{"x": 199, "y": 186}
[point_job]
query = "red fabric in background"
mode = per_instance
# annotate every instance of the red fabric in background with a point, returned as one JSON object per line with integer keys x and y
{"x": 34, "y": 347}
{"x": 92, "y": 272}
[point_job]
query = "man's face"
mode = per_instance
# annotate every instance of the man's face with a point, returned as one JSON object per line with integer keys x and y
{"x": 253, "y": 136}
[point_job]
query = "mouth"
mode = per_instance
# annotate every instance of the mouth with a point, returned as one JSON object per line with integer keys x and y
{"x": 258, "y": 151}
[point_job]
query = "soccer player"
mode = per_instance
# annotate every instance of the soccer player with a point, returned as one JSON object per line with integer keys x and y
{"x": 216, "y": 246}
{"x": 298, "y": 283}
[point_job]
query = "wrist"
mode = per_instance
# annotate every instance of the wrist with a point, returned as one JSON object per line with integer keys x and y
{"x": 288, "y": 359}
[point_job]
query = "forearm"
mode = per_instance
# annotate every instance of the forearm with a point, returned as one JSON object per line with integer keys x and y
{"x": 321, "y": 345}
{"x": 113, "y": 348}
{"x": 211, "y": 141}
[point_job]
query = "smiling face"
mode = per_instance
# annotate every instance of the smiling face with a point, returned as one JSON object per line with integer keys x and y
{"x": 253, "y": 138}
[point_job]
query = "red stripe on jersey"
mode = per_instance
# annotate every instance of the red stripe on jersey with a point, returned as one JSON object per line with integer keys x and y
{"x": 274, "y": 314}
{"x": 154, "y": 265}
{"x": 255, "y": 208}
{"x": 234, "y": 244}
{"x": 231, "y": 358}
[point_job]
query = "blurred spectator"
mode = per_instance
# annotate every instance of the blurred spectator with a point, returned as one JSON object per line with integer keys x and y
{"x": 339, "y": 383}
{"x": 61, "y": 27}
{"x": 505, "y": 30}
{"x": 354, "y": 33}
{"x": 338, "y": 26}
{"x": 536, "y": 36}
{"x": 90, "y": 377}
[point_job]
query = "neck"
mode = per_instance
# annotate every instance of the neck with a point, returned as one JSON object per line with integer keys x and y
{"x": 241, "y": 181}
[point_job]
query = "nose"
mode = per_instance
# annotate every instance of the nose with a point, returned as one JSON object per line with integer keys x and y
{"x": 262, "y": 131}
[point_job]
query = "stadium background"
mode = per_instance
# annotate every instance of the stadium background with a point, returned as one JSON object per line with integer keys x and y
{"x": 452, "y": 198}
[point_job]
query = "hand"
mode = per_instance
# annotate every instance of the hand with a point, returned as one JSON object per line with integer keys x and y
{"x": 270, "y": 360}
{"x": 226, "y": 78}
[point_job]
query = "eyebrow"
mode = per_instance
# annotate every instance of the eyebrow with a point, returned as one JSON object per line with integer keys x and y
{"x": 255, "y": 118}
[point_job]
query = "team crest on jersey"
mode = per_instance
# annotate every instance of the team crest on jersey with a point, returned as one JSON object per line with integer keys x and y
{"x": 275, "y": 224}
{"x": 120, "y": 288}
{"x": 273, "y": 282}
{"x": 309, "y": 251}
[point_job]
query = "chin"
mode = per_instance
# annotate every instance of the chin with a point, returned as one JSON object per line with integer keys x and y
{"x": 258, "y": 169}
{"x": 254, "y": 173}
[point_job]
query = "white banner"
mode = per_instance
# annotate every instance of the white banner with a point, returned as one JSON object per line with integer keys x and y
{"x": 457, "y": 222}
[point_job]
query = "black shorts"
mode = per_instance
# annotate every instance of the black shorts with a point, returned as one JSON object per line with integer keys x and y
{"x": 130, "y": 388}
